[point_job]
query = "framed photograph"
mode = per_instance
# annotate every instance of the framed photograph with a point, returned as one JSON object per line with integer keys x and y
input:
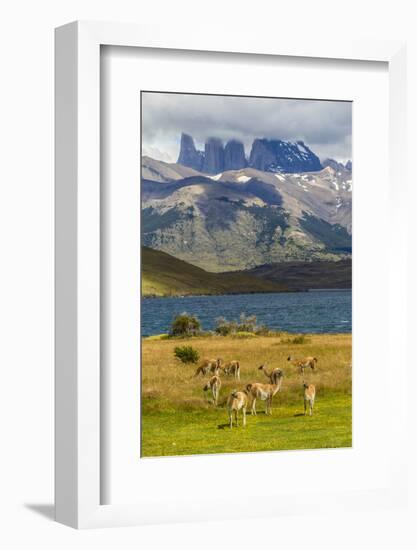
{"x": 227, "y": 305}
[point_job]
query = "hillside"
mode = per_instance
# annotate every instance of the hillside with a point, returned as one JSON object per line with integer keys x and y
{"x": 239, "y": 219}
{"x": 305, "y": 276}
{"x": 164, "y": 275}
{"x": 157, "y": 170}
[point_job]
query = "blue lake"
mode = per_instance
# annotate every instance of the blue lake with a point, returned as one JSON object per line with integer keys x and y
{"x": 302, "y": 312}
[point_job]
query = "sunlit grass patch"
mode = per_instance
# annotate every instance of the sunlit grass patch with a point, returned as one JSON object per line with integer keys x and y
{"x": 178, "y": 418}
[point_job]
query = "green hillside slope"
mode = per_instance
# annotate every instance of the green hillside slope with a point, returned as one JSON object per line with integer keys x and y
{"x": 164, "y": 275}
{"x": 305, "y": 276}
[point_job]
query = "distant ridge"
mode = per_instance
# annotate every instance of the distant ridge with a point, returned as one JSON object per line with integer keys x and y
{"x": 308, "y": 275}
{"x": 164, "y": 275}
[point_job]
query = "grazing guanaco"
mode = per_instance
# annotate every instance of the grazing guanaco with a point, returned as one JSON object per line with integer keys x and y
{"x": 274, "y": 375}
{"x": 264, "y": 392}
{"x": 232, "y": 368}
{"x": 309, "y": 397}
{"x": 215, "y": 367}
{"x": 237, "y": 401}
{"x": 214, "y": 384}
{"x": 207, "y": 365}
{"x": 302, "y": 364}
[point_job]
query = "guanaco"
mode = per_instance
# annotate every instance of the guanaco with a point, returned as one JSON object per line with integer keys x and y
{"x": 232, "y": 368}
{"x": 264, "y": 392}
{"x": 215, "y": 367}
{"x": 302, "y": 364}
{"x": 207, "y": 365}
{"x": 237, "y": 401}
{"x": 214, "y": 384}
{"x": 274, "y": 375}
{"x": 309, "y": 397}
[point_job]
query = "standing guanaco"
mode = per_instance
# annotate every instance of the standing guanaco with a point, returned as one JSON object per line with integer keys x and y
{"x": 214, "y": 384}
{"x": 273, "y": 375}
{"x": 309, "y": 397}
{"x": 232, "y": 368}
{"x": 237, "y": 401}
{"x": 302, "y": 364}
{"x": 264, "y": 392}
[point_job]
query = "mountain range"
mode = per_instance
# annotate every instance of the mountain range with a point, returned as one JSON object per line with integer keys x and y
{"x": 270, "y": 155}
{"x": 242, "y": 218}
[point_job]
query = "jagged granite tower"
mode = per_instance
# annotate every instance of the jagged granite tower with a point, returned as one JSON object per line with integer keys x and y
{"x": 234, "y": 155}
{"x": 213, "y": 156}
{"x": 269, "y": 155}
{"x": 189, "y": 155}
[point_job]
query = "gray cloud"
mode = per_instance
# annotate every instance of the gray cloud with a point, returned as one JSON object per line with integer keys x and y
{"x": 325, "y": 126}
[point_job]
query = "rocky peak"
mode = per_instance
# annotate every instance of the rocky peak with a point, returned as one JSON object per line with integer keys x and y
{"x": 337, "y": 166}
{"x": 261, "y": 156}
{"x": 234, "y": 155}
{"x": 189, "y": 155}
{"x": 213, "y": 156}
{"x": 276, "y": 155}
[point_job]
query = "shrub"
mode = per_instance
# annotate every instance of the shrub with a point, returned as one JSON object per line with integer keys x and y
{"x": 244, "y": 324}
{"x": 186, "y": 354}
{"x": 301, "y": 339}
{"x": 185, "y": 325}
{"x": 225, "y": 327}
{"x": 263, "y": 330}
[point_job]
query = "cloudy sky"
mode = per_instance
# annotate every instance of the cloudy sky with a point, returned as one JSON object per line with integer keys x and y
{"x": 325, "y": 126}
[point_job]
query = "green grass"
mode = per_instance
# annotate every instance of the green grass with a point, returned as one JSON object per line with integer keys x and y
{"x": 178, "y": 418}
{"x": 178, "y": 432}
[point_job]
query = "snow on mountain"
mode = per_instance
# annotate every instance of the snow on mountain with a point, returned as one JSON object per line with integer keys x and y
{"x": 235, "y": 219}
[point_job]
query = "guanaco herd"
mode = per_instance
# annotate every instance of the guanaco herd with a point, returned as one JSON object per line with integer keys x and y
{"x": 239, "y": 401}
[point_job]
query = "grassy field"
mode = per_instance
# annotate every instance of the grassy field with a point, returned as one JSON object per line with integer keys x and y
{"x": 179, "y": 419}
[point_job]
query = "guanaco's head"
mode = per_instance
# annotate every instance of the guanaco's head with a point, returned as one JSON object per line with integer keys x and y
{"x": 219, "y": 362}
{"x": 279, "y": 373}
{"x": 289, "y": 358}
{"x": 262, "y": 367}
{"x": 305, "y": 386}
{"x": 248, "y": 388}
{"x": 206, "y": 387}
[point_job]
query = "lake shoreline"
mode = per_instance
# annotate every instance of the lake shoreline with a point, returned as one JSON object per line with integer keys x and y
{"x": 152, "y": 296}
{"x": 292, "y": 312}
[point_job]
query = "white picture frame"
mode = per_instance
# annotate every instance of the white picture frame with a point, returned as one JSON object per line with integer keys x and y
{"x": 78, "y": 405}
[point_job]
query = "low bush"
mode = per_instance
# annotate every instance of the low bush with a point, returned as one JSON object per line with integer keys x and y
{"x": 263, "y": 330}
{"x": 245, "y": 324}
{"x": 185, "y": 325}
{"x": 301, "y": 339}
{"x": 225, "y": 327}
{"x": 186, "y": 354}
